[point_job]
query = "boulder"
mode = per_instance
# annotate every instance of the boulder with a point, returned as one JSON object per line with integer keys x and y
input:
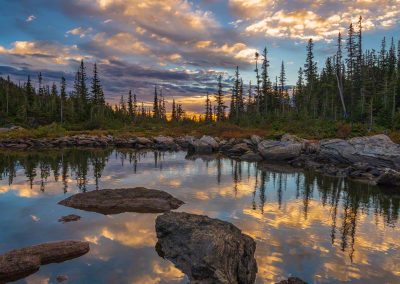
{"x": 278, "y": 150}
{"x": 184, "y": 141}
{"x": 207, "y": 250}
{"x": 19, "y": 263}
{"x": 390, "y": 178}
{"x": 240, "y": 148}
{"x": 377, "y": 150}
{"x": 199, "y": 147}
{"x": 115, "y": 201}
{"x": 69, "y": 218}
{"x": 165, "y": 143}
{"x": 143, "y": 141}
{"x": 210, "y": 141}
{"x": 255, "y": 139}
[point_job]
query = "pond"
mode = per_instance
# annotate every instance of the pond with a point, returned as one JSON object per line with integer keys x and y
{"x": 321, "y": 229}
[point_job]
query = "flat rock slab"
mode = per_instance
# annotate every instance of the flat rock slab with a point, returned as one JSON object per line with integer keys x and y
{"x": 19, "y": 263}
{"x": 115, "y": 201}
{"x": 207, "y": 250}
{"x": 69, "y": 218}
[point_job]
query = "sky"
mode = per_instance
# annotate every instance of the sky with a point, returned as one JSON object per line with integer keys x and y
{"x": 181, "y": 46}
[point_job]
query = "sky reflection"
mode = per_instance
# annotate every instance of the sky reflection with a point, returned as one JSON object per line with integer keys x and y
{"x": 321, "y": 229}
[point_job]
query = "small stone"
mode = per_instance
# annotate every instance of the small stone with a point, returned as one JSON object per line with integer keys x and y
{"x": 61, "y": 278}
{"x": 69, "y": 218}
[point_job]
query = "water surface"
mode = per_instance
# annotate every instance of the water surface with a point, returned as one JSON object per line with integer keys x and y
{"x": 323, "y": 230}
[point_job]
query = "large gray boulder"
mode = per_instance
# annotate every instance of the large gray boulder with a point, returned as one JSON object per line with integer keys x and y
{"x": 377, "y": 150}
{"x": 207, "y": 250}
{"x": 279, "y": 150}
{"x": 115, "y": 201}
{"x": 165, "y": 143}
{"x": 19, "y": 263}
{"x": 210, "y": 141}
{"x": 204, "y": 145}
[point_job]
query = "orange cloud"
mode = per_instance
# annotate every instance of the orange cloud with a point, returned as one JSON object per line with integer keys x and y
{"x": 313, "y": 19}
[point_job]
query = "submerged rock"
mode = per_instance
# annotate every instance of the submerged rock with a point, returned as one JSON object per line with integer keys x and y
{"x": 206, "y": 250}
{"x": 61, "y": 278}
{"x": 115, "y": 201}
{"x": 292, "y": 280}
{"x": 390, "y": 178}
{"x": 69, "y": 218}
{"x": 19, "y": 263}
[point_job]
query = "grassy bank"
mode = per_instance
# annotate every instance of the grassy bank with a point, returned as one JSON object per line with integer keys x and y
{"x": 311, "y": 129}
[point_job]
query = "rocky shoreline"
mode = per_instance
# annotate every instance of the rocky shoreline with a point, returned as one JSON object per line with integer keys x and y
{"x": 374, "y": 159}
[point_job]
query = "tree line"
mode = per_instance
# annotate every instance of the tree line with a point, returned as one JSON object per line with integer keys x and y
{"x": 84, "y": 104}
{"x": 355, "y": 85}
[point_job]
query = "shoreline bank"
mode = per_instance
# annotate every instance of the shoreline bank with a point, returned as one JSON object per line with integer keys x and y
{"x": 373, "y": 159}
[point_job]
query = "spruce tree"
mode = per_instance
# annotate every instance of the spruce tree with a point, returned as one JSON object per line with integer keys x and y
{"x": 173, "y": 115}
{"x": 265, "y": 83}
{"x": 97, "y": 97}
{"x": 219, "y": 98}
{"x": 63, "y": 97}
{"x": 156, "y": 109}
{"x": 130, "y": 105}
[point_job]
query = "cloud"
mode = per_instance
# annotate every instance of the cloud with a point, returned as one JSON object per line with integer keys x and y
{"x": 81, "y": 32}
{"x": 320, "y": 20}
{"x": 39, "y": 54}
{"x": 30, "y": 18}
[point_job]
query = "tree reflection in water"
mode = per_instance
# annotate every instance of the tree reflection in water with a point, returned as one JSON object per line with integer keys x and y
{"x": 345, "y": 199}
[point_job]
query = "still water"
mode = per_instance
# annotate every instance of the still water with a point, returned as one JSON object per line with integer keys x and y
{"x": 323, "y": 230}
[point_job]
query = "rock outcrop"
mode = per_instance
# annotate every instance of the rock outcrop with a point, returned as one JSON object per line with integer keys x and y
{"x": 207, "y": 250}
{"x": 377, "y": 150}
{"x": 19, "y": 263}
{"x": 115, "y": 201}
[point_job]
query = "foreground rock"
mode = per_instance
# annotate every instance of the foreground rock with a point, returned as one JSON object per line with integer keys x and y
{"x": 19, "y": 263}
{"x": 115, "y": 201}
{"x": 206, "y": 250}
{"x": 69, "y": 218}
{"x": 292, "y": 280}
